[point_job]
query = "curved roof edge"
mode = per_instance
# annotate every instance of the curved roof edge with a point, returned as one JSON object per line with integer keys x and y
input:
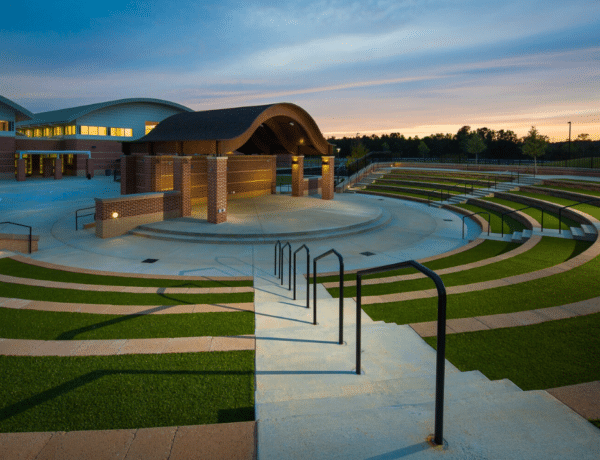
{"x": 23, "y": 113}
{"x": 233, "y": 125}
{"x": 72, "y": 113}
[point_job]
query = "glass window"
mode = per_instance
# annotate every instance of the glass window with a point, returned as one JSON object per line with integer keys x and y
{"x": 128, "y": 132}
{"x": 150, "y": 126}
{"x": 58, "y": 130}
{"x": 93, "y": 130}
{"x": 47, "y": 132}
{"x": 70, "y": 130}
{"x": 4, "y": 125}
{"x": 84, "y": 130}
{"x": 37, "y": 132}
{"x": 102, "y": 130}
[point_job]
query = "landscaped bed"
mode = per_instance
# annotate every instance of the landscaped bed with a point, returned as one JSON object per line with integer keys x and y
{"x": 579, "y": 283}
{"x": 540, "y": 356}
{"x": 50, "y": 325}
{"x": 22, "y": 291}
{"x": 547, "y": 253}
{"x": 129, "y": 391}
{"x": 19, "y": 269}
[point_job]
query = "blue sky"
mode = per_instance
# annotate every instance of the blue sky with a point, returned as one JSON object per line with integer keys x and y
{"x": 414, "y": 67}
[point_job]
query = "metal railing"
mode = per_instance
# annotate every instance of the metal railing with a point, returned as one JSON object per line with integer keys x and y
{"x": 441, "y": 335}
{"x": 289, "y": 246}
{"x": 526, "y": 207}
{"x": 278, "y": 243}
{"x": 307, "y": 273}
{"x": 473, "y": 214}
{"x": 570, "y": 206}
{"x": 341, "y": 260}
{"x": 21, "y": 225}
{"x": 77, "y": 216}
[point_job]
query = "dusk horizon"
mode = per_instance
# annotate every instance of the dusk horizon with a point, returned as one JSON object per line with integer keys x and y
{"x": 373, "y": 67}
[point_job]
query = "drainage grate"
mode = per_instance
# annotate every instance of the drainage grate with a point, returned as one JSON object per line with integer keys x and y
{"x": 149, "y": 261}
{"x": 447, "y": 220}
{"x": 367, "y": 253}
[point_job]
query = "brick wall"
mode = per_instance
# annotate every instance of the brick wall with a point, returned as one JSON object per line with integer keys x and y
{"x": 18, "y": 243}
{"x": 250, "y": 175}
{"x": 217, "y": 190}
{"x": 135, "y": 210}
{"x": 182, "y": 183}
{"x": 7, "y": 157}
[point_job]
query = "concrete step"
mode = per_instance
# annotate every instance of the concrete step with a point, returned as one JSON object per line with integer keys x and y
{"x": 531, "y": 425}
{"x": 526, "y": 234}
{"x": 589, "y": 231}
{"x": 580, "y": 234}
{"x": 384, "y": 394}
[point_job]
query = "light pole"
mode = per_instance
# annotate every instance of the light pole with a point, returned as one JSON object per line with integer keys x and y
{"x": 569, "y": 140}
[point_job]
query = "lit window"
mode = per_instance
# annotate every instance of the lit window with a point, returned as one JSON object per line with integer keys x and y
{"x": 29, "y": 132}
{"x": 70, "y": 130}
{"x": 128, "y": 132}
{"x": 3, "y": 125}
{"x": 37, "y": 132}
{"x": 150, "y": 125}
{"x": 93, "y": 130}
{"x": 102, "y": 130}
{"x": 47, "y": 132}
{"x": 85, "y": 130}
{"x": 58, "y": 130}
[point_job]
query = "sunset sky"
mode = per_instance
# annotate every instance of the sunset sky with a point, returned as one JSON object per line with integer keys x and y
{"x": 414, "y": 67}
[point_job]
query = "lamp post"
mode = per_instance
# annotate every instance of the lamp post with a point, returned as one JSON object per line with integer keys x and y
{"x": 569, "y": 140}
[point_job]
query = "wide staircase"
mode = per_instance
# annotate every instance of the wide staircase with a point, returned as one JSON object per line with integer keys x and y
{"x": 310, "y": 403}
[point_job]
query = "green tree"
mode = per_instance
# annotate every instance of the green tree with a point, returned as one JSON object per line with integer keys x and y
{"x": 423, "y": 149}
{"x": 474, "y": 145}
{"x": 358, "y": 151}
{"x": 534, "y": 145}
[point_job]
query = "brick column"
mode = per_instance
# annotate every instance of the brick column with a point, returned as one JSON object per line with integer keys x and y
{"x": 21, "y": 173}
{"x": 58, "y": 167}
{"x": 48, "y": 164}
{"x": 217, "y": 190}
{"x": 327, "y": 169}
{"x": 297, "y": 175}
{"x": 155, "y": 173}
{"x": 182, "y": 181}
{"x": 124, "y": 171}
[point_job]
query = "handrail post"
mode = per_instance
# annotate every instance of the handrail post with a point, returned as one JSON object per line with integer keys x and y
{"x": 289, "y": 246}
{"x": 29, "y": 240}
{"x": 275, "y": 259}
{"x": 341, "y": 301}
{"x": 307, "y": 273}
{"x": 560, "y": 221}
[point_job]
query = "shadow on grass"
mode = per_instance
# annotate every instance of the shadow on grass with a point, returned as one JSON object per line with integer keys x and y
{"x": 45, "y": 396}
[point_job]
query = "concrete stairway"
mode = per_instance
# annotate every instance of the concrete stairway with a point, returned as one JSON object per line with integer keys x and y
{"x": 311, "y": 404}
{"x": 482, "y": 192}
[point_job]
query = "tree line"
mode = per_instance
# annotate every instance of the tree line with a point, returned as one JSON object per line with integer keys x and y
{"x": 481, "y": 144}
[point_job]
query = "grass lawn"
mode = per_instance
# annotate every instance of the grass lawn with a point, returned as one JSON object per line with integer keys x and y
{"x": 580, "y": 283}
{"x": 540, "y": 356}
{"x": 485, "y": 250}
{"x": 51, "y": 325}
{"x": 550, "y": 218}
{"x": 547, "y": 253}
{"x": 23, "y": 270}
{"x": 587, "y": 208}
{"x": 510, "y": 224}
{"x": 570, "y": 189}
{"x": 130, "y": 391}
{"x": 401, "y": 188}
{"x": 22, "y": 291}
{"x": 401, "y": 193}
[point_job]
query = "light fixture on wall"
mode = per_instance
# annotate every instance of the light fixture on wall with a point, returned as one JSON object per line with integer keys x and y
{"x": 114, "y": 215}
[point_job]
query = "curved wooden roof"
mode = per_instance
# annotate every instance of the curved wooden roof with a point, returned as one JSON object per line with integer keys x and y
{"x": 235, "y": 126}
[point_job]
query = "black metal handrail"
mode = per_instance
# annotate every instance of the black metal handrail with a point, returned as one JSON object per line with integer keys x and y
{"x": 289, "y": 246}
{"x": 275, "y": 261}
{"x": 21, "y": 225}
{"x": 441, "y": 335}
{"x": 473, "y": 214}
{"x": 341, "y": 260}
{"x": 307, "y": 273}
{"x": 526, "y": 207}
{"x": 77, "y": 216}
{"x": 570, "y": 206}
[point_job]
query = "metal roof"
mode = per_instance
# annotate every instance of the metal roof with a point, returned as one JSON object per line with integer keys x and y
{"x": 70, "y": 114}
{"x": 21, "y": 113}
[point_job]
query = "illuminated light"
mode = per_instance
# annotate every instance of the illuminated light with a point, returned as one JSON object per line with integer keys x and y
{"x": 102, "y": 130}
{"x": 115, "y": 215}
{"x": 291, "y": 123}
{"x": 301, "y": 140}
{"x": 84, "y": 130}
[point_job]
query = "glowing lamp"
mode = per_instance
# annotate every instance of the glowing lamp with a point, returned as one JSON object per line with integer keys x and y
{"x": 115, "y": 215}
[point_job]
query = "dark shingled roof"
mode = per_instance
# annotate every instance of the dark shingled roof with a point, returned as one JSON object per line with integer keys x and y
{"x": 21, "y": 113}
{"x": 207, "y": 125}
{"x": 72, "y": 113}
